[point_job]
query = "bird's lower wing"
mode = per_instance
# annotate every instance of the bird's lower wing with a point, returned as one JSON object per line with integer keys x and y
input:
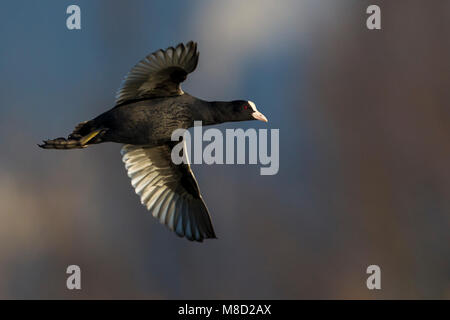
{"x": 170, "y": 192}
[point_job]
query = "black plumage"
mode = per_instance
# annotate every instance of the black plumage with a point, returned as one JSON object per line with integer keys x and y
{"x": 150, "y": 105}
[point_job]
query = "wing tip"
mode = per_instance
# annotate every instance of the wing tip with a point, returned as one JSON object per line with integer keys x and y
{"x": 200, "y": 239}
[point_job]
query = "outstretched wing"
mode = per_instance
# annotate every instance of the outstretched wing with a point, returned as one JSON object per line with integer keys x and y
{"x": 159, "y": 74}
{"x": 169, "y": 191}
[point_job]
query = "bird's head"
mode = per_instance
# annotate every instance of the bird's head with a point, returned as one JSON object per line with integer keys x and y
{"x": 246, "y": 110}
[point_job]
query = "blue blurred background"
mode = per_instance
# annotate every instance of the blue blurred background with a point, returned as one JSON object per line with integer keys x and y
{"x": 364, "y": 151}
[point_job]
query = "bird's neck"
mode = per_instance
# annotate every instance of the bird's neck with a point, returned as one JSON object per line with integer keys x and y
{"x": 221, "y": 111}
{"x": 217, "y": 112}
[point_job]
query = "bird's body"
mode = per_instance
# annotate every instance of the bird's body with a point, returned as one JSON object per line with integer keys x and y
{"x": 147, "y": 122}
{"x": 150, "y": 105}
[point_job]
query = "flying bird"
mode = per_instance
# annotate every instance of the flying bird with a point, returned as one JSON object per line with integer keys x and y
{"x": 149, "y": 106}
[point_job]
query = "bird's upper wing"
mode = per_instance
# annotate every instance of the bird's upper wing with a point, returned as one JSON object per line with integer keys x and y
{"x": 159, "y": 74}
{"x": 169, "y": 191}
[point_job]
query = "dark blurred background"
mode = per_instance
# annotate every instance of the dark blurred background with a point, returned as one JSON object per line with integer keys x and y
{"x": 364, "y": 151}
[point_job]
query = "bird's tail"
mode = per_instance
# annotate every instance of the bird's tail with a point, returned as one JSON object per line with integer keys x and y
{"x": 82, "y": 135}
